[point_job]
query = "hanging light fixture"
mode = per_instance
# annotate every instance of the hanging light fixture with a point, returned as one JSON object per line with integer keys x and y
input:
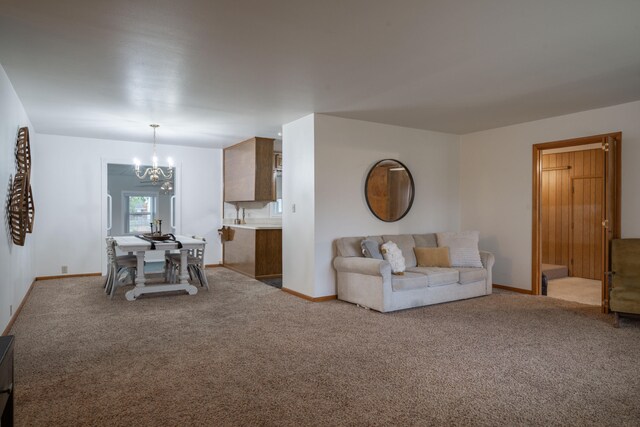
{"x": 167, "y": 187}
{"x": 154, "y": 172}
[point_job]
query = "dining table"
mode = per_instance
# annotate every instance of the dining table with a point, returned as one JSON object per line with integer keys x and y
{"x": 141, "y": 245}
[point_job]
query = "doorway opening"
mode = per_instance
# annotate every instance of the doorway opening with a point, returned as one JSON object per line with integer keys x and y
{"x": 131, "y": 205}
{"x": 576, "y": 199}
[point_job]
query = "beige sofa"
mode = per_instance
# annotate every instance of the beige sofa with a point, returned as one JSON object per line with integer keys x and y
{"x": 368, "y": 282}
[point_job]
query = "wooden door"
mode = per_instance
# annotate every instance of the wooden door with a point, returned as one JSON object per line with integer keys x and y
{"x": 586, "y": 242}
{"x": 611, "y": 215}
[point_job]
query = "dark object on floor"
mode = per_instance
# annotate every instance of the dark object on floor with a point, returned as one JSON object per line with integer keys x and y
{"x": 545, "y": 282}
{"x": 276, "y": 283}
{"x": 6, "y": 381}
{"x": 624, "y": 278}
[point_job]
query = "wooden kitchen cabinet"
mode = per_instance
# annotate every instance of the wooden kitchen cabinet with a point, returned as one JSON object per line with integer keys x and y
{"x": 256, "y": 253}
{"x": 248, "y": 171}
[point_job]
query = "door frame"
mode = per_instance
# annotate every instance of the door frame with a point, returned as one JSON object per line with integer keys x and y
{"x": 104, "y": 176}
{"x": 536, "y": 238}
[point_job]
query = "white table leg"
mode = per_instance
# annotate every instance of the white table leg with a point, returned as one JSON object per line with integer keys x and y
{"x": 184, "y": 274}
{"x": 140, "y": 280}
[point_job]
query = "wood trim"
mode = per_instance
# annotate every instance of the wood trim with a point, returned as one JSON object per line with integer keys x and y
{"x": 269, "y": 276}
{"x": 18, "y": 310}
{"x": 536, "y": 219}
{"x": 556, "y": 168}
{"x": 617, "y": 231}
{"x": 536, "y": 214}
{"x": 308, "y": 298}
{"x": 66, "y": 276}
{"x": 577, "y": 141}
{"x": 512, "y": 289}
{"x": 213, "y": 265}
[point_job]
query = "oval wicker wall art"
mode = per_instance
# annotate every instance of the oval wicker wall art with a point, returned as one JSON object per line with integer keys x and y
{"x": 18, "y": 215}
{"x": 20, "y": 206}
{"x": 23, "y": 152}
{"x": 30, "y": 209}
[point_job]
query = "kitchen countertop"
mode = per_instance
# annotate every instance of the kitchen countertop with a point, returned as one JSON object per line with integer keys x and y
{"x": 256, "y": 226}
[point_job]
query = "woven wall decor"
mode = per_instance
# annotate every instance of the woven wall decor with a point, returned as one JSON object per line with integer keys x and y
{"x": 18, "y": 215}
{"x": 20, "y": 206}
{"x": 30, "y": 208}
{"x": 23, "y": 152}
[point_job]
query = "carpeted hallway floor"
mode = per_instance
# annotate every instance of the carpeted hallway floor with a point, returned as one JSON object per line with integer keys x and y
{"x": 246, "y": 353}
{"x": 576, "y": 289}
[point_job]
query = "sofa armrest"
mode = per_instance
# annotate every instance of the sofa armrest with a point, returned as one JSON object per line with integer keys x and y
{"x": 367, "y": 266}
{"x": 487, "y": 259}
{"x": 364, "y": 281}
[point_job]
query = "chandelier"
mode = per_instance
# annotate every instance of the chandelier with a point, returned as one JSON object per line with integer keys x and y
{"x": 154, "y": 172}
{"x": 167, "y": 187}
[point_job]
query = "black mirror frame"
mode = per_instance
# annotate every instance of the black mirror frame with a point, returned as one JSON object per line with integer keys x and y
{"x": 413, "y": 190}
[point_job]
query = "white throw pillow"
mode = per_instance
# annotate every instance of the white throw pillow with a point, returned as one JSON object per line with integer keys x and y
{"x": 463, "y": 247}
{"x": 393, "y": 254}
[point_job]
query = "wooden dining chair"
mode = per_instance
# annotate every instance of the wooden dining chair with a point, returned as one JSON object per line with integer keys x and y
{"x": 117, "y": 264}
{"x": 195, "y": 265}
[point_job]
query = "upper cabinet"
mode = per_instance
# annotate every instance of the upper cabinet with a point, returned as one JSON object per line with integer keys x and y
{"x": 248, "y": 171}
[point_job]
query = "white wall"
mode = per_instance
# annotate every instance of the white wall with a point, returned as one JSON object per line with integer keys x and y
{"x": 496, "y": 187}
{"x": 17, "y": 263}
{"x": 345, "y": 150}
{"x": 298, "y": 189}
{"x": 69, "y": 204}
{"x": 337, "y": 154}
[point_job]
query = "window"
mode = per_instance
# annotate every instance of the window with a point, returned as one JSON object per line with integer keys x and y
{"x": 140, "y": 211}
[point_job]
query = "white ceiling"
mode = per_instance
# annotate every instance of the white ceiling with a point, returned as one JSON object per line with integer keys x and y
{"x": 213, "y": 73}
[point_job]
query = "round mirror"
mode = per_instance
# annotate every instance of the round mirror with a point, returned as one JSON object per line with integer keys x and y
{"x": 389, "y": 190}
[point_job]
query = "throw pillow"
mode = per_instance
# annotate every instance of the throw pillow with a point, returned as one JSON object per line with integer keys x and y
{"x": 393, "y": 254}
{"x": 433, "y": 257}
{"x": 371, "y": 249}
{"x": 463, "y": 248}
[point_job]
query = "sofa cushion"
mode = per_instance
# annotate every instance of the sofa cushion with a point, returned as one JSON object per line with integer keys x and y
{"x": 463, "y": 248}
{"x": 471, "y": 274}
{"x": 349, "y": 246}
{"x": 432, "y": 257}
{"x": 406, "y": 244}
{"x": 426, "y": 240}
{"x": 377, "y": 239}
{"x": 409, "y": 281}
{"x": 437, "y": 276}
{"x": 371, "y": 249}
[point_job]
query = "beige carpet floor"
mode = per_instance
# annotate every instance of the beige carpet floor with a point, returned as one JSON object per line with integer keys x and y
{"x": 246, "y": 353}
{"x": 576, "y": 289}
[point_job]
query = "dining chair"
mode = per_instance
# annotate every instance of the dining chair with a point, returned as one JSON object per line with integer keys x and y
{"x": 195, "y": 265}
{"x": 117, "y": 264}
